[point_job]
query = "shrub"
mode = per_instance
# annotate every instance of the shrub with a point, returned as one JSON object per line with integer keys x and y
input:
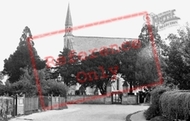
{"x": 151, "y": 112}
{"x": 175, "y": 104}
{"x": 57, "y": 88}
{"x": 159, "y": 118}
{"x": 154, "y": 110}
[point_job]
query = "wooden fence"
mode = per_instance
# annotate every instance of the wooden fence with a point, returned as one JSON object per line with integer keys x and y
{"x": 31, "y": 105}
{"x": 13, "y": 106}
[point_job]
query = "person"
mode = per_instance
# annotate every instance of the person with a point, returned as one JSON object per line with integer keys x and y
{"x": 147, "y": 96}
{"x": 82, "y": 90}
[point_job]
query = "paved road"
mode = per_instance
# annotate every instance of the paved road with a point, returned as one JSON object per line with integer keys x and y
{"x": 81, "y": 112}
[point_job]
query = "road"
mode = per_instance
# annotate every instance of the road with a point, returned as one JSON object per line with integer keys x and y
{"x": 82, "y": 112}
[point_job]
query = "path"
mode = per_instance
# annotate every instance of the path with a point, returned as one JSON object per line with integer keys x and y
{"x": 82, "y": 112}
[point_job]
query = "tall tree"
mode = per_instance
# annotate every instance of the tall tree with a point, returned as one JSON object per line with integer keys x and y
{"x": 98, "y": 69}
{"x": 23, "y": 57}
{"x": 149, "y": 62}
{"x": 94, "y": 69}
{"x": 178, "y": 58}
{"x": 128, "y": 58}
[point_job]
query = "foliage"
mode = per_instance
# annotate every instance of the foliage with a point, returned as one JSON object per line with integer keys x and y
{"x": 159, "y": 118}
{"x": 175, "y": 103}
{"x": 146, "y": 64}
{"x": 23, "y": 87}
{"x": 57, "y": 88}
{"x": 154, "y": 110}
{"x": 128, "y": 59}
{"x": 102, "y": 65}
{"x": 178, "y": 58}
{"x": 2, "y": 89}
{"x": 31, "y": 85}
{"x": 67, "y": 65}
{"x": 27, "y": 72}
{"x": 1, "y": 77}
{"x": 146, "y": 71}
{"x": 22, "y": 58}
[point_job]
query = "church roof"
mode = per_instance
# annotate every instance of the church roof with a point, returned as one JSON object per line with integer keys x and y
{"x": 86, "y": 43}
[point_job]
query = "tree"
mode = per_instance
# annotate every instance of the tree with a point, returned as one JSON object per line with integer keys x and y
{"x": 128, "y": 58}
{"x": 178, "y": 58}
{"x": 89, "y": 70}
{"x": 147, "y": 64}
{"x": 1, "y": 78}
{"x": 98, "y": 69}
{"x": 2, "y": 86}
{"x": 23, "y": 57}
{"x": 57, "y": 88}
{"x": 66, "y": 65}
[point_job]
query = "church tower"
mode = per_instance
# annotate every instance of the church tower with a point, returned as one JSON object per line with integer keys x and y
{"x": 68, "y": 37}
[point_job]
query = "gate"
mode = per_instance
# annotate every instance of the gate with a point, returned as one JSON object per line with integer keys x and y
{"x": 116, "y": 97}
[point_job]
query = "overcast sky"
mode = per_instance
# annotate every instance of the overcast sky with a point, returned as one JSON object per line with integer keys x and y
{"x": 43, "y": 16}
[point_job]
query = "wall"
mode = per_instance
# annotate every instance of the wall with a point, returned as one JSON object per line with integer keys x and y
{"x": 6, "y": 105}
{"x": 85, "y": 99}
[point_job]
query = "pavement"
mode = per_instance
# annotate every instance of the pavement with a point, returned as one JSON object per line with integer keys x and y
{"x": 84, "y": 112}
{"x": 137, "y": 116}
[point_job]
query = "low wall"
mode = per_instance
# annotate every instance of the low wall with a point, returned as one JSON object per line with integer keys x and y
{"x": 85, "y": 99}
{"x": 129, "y": 100}
{"x": 99, "y": 99}
{"x": 96, "y": 99}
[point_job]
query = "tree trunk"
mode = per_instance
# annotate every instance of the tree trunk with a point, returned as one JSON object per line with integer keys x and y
{"x": 131, "y": 87}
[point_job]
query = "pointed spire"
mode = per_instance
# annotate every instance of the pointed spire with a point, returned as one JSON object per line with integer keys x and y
{"x": 68, "y": 21}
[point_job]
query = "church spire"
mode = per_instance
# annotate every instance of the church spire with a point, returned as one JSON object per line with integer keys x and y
{"x": 68, "y": 21}
{"x": 68, "y": 37}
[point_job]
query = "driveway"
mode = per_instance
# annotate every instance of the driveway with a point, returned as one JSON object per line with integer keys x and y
{"x": 83, "y": 112}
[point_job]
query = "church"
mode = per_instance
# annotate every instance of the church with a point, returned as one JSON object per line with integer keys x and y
{"x": 89, "y": 44}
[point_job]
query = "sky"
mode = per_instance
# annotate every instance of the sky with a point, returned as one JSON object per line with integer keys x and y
{"x": 43, "y": 16}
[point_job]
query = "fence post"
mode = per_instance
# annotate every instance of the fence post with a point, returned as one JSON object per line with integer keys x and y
{"x": 16, "y": 105}
{"x": 59, "y": 102}
{"x": 24, "y": 102}
{"x": 51, "y": 101}
{"x": 13, "y": 106}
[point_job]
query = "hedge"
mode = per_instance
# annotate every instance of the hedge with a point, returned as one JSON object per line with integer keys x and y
{"x": 154, "y": 110}
{"x": 175, "y": 104}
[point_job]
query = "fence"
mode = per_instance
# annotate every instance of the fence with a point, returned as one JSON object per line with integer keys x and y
{"x": 26, "y": 105}
{"x": 12, "y": 106}
{"x": 58, "y": 102}
{"x": 31, "y": 105}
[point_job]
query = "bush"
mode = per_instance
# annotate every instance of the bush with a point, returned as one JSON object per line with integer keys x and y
{"x": 2, "y": 89}
{"x": 175, "y": 104}
{"x": 154, "y": 110}
{"x": 57, "y": 88}
{"x": 151, "y": 112}
{"x": 159, "y": 118}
